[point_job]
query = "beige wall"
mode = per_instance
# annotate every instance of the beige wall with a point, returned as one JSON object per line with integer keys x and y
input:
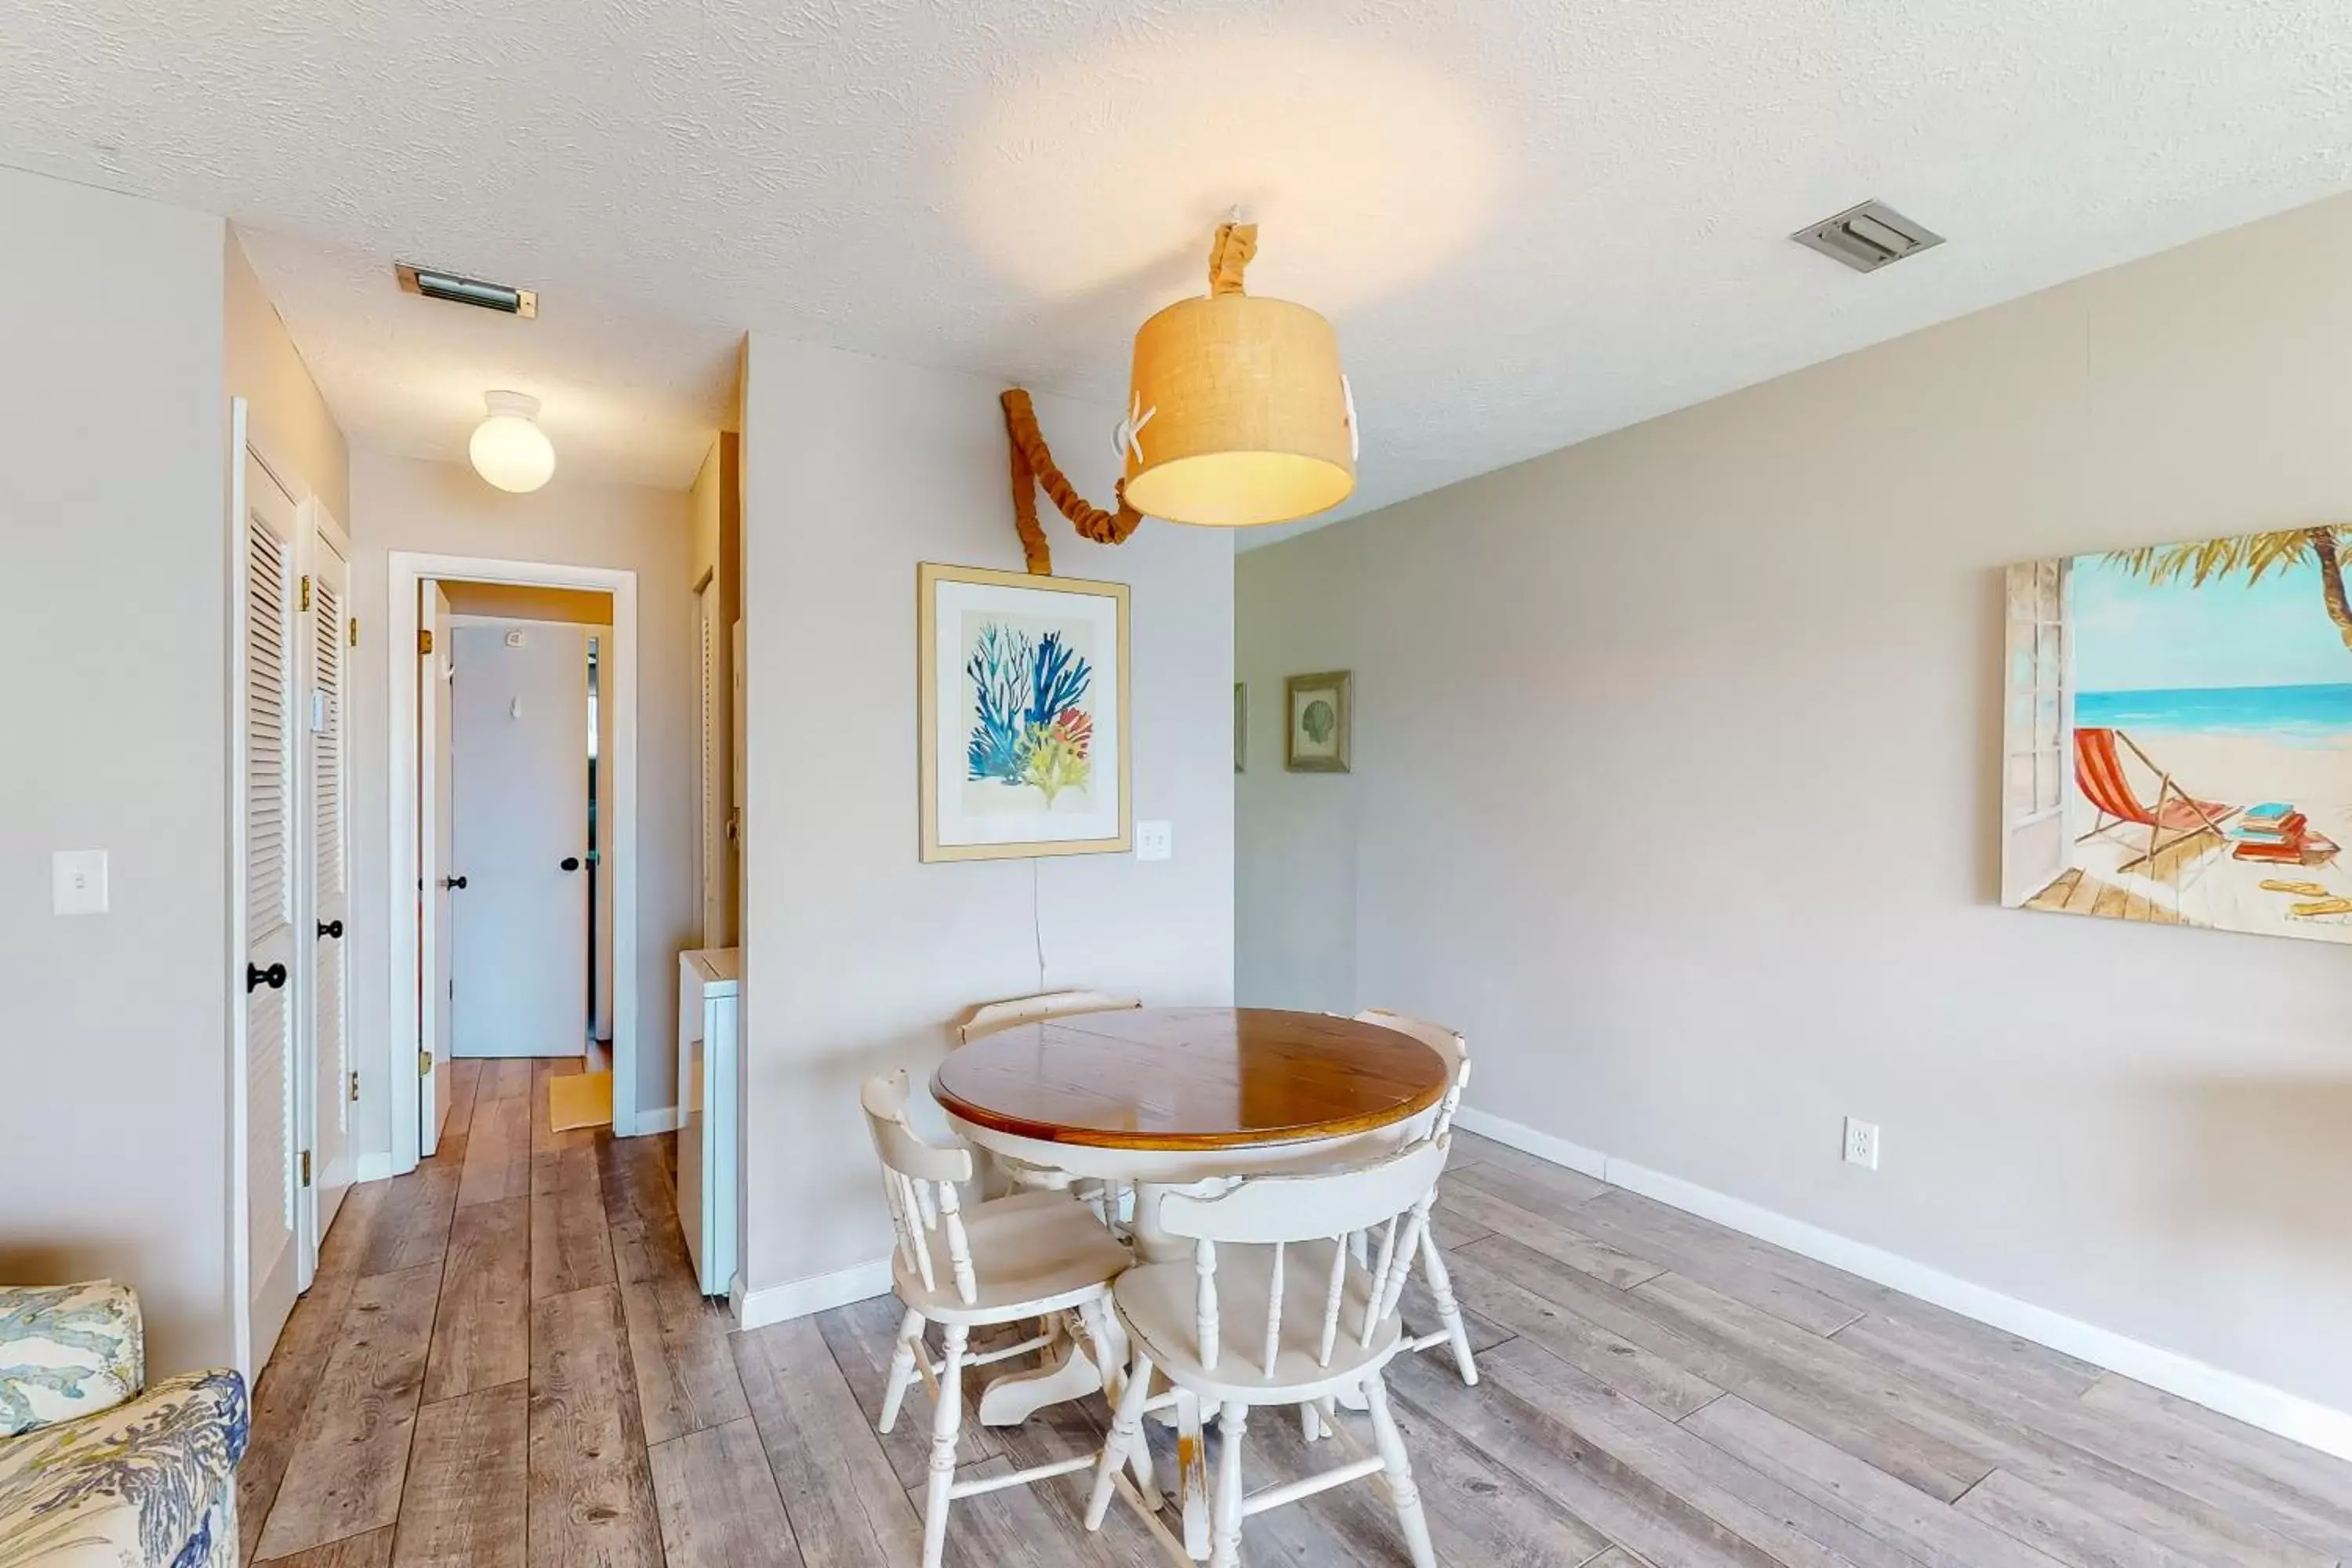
{"x": 860, "y": 956}
{"x": 288, "y": 420}
{"x": 406, "y": 503}
{"x": 1674, "y": 788}
{"x": 114, "y": 625}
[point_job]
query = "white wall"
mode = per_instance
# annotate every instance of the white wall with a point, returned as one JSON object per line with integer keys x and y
{"x": 859, "y": 956}
{"x": 407, "y": 503}
{"x": 114, "y": 625}
{"x": 1675, "y": 788}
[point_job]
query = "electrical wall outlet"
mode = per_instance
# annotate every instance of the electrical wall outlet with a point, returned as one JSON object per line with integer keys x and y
{"x": 1862, "y": 1144}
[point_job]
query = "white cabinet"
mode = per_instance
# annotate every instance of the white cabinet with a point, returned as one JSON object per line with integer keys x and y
{"x": 710, "y": 997}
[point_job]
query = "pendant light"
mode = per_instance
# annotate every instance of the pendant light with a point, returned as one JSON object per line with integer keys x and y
{"x": 509, "y": 448}
{"x": 1237, "y": 412}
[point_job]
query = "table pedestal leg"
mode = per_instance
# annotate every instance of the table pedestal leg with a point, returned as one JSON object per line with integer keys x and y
{"x": 1069, "y": 1373}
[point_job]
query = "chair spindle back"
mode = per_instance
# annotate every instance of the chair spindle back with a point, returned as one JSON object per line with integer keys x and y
{"x": 919, "y": 1180}
{"x": 1392, "y": 1195}
{"x": 1447, "y": 1043}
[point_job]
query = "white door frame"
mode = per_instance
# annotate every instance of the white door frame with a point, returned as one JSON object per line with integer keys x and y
{"x": 312, "y": 519}
{"x": 240, "y": 1228}
{"x": 243, "y": 440}
{"x": 405, "y": 569}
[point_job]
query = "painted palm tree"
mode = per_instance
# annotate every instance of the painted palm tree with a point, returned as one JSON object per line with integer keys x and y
{"x": 2255, "y": 555}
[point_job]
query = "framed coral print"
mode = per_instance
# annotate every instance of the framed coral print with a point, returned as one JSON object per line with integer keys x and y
{"x": 1023, "y": 713}
{"x": 1318, "y": 723}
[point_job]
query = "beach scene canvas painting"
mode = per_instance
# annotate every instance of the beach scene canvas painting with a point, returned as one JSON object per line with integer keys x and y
{"x": 2177, "y": 735}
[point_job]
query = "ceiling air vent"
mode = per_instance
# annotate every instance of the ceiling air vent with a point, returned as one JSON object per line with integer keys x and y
{"x": 435, "y": 284}
{"x": 1868, "y": 237}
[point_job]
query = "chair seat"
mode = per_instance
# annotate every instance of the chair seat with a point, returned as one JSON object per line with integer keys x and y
{"x": 1031, "y": 1254}
{"x": 1159, "y": 1304}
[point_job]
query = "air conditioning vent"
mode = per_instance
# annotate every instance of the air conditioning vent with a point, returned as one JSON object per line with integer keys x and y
{"x": 1868, "y": 237}
{"x": 459, "y": 290}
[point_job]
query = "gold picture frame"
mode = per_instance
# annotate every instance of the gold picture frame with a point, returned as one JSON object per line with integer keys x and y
{"x": 1318, "y": 723}
{"x": 999, "y": 780}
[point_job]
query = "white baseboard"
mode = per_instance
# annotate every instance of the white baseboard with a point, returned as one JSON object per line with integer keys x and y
{"x": 2257, "y": 1404}
{"x": 374, "y": 1167}
{"x": 1528, "y": 1140}
{"x": 801, "y": 1297}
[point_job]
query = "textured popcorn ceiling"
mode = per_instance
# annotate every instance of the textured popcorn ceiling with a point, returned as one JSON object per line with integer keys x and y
{"x": 1532, "y": 223}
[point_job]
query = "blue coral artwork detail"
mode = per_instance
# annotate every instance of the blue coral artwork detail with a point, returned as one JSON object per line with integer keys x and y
{"x": 1030, "y": 726}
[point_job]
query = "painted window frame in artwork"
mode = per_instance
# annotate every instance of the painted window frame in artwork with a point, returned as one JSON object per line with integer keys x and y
{"x": 2038, "y": 723}
{"x": 929, "y": 579}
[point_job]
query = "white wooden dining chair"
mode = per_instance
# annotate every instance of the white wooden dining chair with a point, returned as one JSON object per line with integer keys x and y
{"x": 1033, "y": 1254}
{"x": 1455, "y": 1050}
{"x": 1273, "y": 1309}
{"x": 993, "y": 1018}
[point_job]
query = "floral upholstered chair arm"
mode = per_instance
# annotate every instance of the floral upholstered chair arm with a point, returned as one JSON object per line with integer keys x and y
{"x": 148, "y": 1482}
{"x": 67, "y": 1351}
{"x": 97, "y": 1470}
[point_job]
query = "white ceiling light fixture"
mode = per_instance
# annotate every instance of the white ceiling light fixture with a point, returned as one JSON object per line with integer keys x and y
{"x": 509, "y": 448}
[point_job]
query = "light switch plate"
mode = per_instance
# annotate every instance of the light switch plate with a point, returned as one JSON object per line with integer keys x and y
{"x": 78, "y": 882}
{"x": 1154, "y": 840}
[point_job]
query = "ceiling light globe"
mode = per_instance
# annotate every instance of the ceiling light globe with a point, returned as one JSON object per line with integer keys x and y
{"x": 509, "y": 448}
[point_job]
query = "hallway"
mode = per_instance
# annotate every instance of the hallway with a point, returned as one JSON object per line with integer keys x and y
{"x": 466, "y": 1352}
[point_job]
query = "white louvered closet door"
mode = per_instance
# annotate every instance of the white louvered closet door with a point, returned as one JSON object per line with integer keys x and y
{"x": 268, "y": 642}
{"x": 329, "y": 1092}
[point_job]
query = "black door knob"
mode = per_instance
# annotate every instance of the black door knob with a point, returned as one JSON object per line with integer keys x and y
{"x": 255, "y": 977}
{"x": 330, "y": 928}
{"x": 453, "y": 881}
{"x": 572, "y": 862}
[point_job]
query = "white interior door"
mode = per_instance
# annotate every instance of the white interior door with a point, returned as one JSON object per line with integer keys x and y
{"x": 267, "y": 541}
{"x": 434, "y": 766}
{"x": 520, "y": 816}
{"x": 329, "y": 1083}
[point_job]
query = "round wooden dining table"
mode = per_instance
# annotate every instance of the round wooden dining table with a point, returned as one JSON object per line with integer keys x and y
{"x": 1174, "y": 1097}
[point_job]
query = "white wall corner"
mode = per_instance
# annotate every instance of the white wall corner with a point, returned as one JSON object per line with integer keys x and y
{"x": 660, "y": 1119}
{"x": 2257, "y": 1404}
{"x": 804, "y": 1297}
{"x": 372, "y": 1167}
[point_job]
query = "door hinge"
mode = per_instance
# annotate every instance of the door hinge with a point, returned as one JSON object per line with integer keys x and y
{"x": 423, "y": 640}
{"x": 306, "y": 1167}
{"x": 355, "y": 1089}
{"x": 306, "y": 590}
{"x": 356, "y": 631}
{"x": 424, "y": 1064}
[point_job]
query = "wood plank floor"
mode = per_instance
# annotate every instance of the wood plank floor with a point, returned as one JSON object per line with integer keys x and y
{"x": 505, "y": 1362}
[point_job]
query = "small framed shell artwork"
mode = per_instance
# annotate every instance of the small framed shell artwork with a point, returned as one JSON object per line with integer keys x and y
{"x": 1023, "y": 714}
{"x": 1316, "y": 738}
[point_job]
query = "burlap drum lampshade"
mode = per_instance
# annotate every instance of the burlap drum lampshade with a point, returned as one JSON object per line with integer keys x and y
{"x": 1238, "y": 412}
